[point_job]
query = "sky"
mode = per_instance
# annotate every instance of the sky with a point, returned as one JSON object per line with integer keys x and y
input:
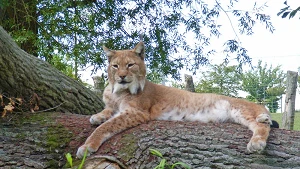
{"x": 278, "y": 48}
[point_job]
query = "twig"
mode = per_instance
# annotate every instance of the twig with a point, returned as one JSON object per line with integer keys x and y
{"x": 49, "y": 108}
{"x": 41, "y": 110}
{"x": 229, "y": 21}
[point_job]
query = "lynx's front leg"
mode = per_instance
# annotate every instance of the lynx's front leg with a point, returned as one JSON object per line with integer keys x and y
{"x": 126, "y": 119}
{"x": 259, "y": 138}
{"x": 101, "y": 117}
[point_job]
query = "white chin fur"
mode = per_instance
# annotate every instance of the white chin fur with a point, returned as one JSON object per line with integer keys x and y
{"x": 133, "y": 87}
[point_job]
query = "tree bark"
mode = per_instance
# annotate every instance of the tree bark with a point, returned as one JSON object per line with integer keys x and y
{"x": 22, "y": 75}
{"x": 40, "y": 140}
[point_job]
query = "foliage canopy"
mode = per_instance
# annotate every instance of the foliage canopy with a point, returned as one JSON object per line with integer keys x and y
{"x": 70, "y": 33}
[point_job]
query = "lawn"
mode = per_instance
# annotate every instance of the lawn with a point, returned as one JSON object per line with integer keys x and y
{"x": 278, "y": 117}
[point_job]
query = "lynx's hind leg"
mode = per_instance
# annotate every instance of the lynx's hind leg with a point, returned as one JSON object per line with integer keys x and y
{"x": 101, "y": 117}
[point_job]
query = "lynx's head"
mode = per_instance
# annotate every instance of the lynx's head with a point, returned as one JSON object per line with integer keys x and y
{"x": 126, "y": 69}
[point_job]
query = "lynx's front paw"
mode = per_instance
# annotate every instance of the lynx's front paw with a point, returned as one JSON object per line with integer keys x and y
{"x": 256, "y": 145}
{"x": 98, "y": 119}
{"x": 81, "y": 150}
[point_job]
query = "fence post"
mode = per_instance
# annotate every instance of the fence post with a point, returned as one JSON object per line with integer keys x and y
{"x": 290, "y": 96}
{"x": 99, "y": 83}
{"x": 189, "y": 83}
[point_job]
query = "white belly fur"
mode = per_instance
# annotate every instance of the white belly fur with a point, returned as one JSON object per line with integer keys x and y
{"x": 220, "y": 111}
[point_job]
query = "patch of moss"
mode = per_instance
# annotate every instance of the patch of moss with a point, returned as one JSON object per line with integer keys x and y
{"x": 21, "y": 136}
{"x": 58, "y": 137}
{"x": 129, "y": 146}
{"x": 52, "y": 163}
{"x": 40, "y": 118}
{"x": 52, "y": 136}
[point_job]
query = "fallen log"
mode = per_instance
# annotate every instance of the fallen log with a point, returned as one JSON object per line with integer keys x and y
{"x": 41, "y": 140}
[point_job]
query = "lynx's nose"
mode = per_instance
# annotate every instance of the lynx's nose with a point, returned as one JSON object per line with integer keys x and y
{"x": 122, "y": 77}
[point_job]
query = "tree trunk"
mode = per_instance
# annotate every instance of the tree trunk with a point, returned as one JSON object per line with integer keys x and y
{"x": 22, "y": 75}
{"x": 40, "y": 140}
{"x": 290, "y": 97}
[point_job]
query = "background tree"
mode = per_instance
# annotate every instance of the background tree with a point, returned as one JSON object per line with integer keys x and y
{"x": 19, "y": 18}
{"x": 71, "y": 33}
{"x": 220, "y": 79}
{"x": 265, "y": 85}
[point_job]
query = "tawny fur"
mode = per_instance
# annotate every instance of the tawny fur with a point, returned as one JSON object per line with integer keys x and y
{"x": 132, "y": 100}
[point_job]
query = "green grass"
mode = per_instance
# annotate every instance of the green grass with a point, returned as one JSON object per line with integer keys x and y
{"x": 278, "y": 117}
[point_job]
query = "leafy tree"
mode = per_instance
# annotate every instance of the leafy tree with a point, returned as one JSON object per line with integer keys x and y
{"x": 19, "y": 18}
{"x": 73, "y": 32}
{"x": 265, "y": 85}
{"x": 220, "y": 79}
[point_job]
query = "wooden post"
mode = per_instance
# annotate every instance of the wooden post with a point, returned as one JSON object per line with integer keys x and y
{"x": 290, "y": 96}
{"x": 189, "y": 84}
{"x": 99, "y": 84}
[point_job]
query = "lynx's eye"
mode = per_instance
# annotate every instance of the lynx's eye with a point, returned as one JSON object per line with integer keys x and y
{"x": 115, "y": 66}
{"x": 130, "y": 65}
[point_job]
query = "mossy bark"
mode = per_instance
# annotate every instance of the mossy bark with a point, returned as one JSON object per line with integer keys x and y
{"x": 22, "y": 75}
{"x": 33, "y": 140}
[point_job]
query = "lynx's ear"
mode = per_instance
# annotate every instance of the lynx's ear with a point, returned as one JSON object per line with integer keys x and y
{"x": 109, "y": 53}
{"x": 140, "y": 50}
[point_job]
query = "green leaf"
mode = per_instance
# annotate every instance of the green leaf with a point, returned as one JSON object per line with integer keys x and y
{"x": 69, "y": 159}
{"x": 285, "y": 14}
{"x": 282, "y": 10}
{"x": 83, "y": 159}
{"x": 182, "y": 164}
{"x": 162, "y": 163}
{"x": 156, "y": 153}
{"x": 293, "y": 13}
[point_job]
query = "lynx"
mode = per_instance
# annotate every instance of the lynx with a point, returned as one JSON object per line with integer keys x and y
{"x": 132, "y": 100}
